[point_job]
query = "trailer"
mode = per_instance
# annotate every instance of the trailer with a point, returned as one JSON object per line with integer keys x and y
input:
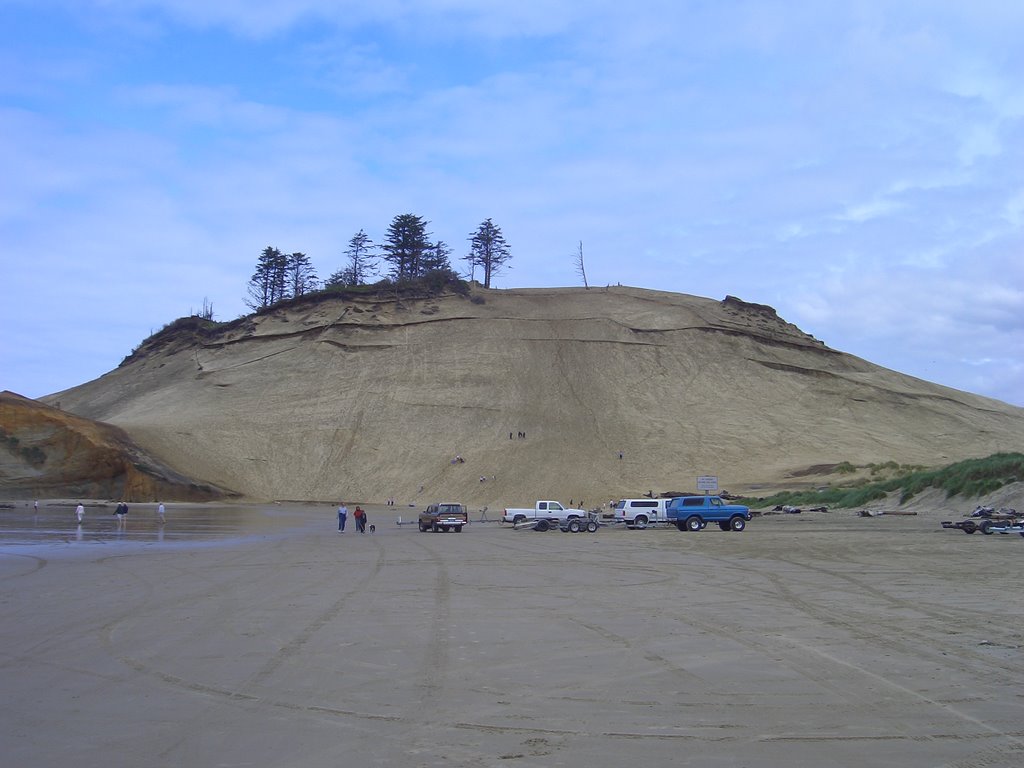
{"x": 987, "y": 526}
{"x": 590, "y": 524}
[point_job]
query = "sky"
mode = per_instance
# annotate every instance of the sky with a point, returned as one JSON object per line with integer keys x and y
{"x": 856, "y": 164}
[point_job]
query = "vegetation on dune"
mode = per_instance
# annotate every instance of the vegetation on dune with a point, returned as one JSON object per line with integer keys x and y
{"x": 33, "y": 455}
{"x": 970, "y": 478}
{"x": 408, "y": 253}
{"x": 199, "y": 328}
{"x": 192, "y": 327}
{"x": 428, "y": 285}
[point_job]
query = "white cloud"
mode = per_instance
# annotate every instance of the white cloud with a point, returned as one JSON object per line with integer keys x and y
{"x": 843, "y": 162}
{"x": 871, "y": 209}
{"x": 1014, "y": 210}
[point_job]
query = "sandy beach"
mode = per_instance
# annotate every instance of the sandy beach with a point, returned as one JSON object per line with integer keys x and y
{"x": 815, "y": 640}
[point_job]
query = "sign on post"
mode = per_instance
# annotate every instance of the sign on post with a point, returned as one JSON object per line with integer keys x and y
{"x": 707, "y": 483}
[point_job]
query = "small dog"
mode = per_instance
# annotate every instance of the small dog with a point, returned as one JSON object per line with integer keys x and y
{"x": 371, "y": 527}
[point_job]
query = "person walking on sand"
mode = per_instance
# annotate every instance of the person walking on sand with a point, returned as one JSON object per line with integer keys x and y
{"x": 80, "y": 513}
{"x": 160, "y": 513}
{"x": 122, "y": 511}
{"x": 360, "y": 519}
{"x": 342, "y": 517}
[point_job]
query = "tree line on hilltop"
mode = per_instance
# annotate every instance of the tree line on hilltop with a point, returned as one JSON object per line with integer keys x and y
{"x": 407, "y": 253}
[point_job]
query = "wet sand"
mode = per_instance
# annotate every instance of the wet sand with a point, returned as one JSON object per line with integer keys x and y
{"x": 818, "y": 640}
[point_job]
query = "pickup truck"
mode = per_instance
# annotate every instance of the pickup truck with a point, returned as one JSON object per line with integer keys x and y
{"x": 693, "y": 513}
{"x": 547, "y": 510}
{"x": 444, "y": 516}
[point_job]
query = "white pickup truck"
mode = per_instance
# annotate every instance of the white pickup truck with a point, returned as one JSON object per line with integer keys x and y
{"x": 546, "y": 510}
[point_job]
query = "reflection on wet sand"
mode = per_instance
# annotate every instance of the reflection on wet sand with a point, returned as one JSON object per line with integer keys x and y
{"x": 57, "y": 523}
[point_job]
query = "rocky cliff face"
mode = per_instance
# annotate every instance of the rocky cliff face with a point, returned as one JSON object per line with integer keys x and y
{"x": 373, "y": 396}
{"x": 47, "y": 453}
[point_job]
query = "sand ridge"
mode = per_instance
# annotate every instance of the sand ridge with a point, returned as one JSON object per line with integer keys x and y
{"x": 373, "y": 397}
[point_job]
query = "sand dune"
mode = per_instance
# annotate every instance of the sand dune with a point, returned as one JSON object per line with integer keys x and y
{"x": 371, "y": 397}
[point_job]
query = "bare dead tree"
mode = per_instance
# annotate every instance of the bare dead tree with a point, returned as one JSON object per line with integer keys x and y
{"x": 580, "y": 269}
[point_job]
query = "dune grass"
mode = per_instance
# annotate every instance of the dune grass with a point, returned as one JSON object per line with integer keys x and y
{"x": 970, "y": 478}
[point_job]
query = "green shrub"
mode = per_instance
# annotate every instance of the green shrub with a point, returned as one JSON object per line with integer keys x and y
{"x": 891, "y": 466}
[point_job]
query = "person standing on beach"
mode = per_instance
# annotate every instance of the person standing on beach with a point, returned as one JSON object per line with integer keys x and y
{"x": 80, "y": 513}
{"x": 160, "y": 513}
{"x": 360, "y": 519}
{"x": 342, "y": 517}
{"x": 122, "y": 511}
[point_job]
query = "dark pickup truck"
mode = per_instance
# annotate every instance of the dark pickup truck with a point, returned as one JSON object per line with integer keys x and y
{"x": 446, "y": 516}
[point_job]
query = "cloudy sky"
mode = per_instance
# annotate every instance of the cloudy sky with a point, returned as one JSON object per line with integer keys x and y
{"x": 856, "y": 164}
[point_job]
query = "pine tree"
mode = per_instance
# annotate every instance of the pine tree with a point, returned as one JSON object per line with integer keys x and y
{"x": 359, "y": 252}
{"x": 405, "y": 245}
{"x": 268, "y": 283}
{"x": 436, "y": 259}
{"x": 488, "y": 250}
{"x": 301, "y": 275}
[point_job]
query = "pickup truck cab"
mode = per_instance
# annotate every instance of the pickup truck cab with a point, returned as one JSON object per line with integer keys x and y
{"x": 548, "y": 510}
{"x": 693, "y": 513}
{"x": 639, "y": 513}
{"x": 445, "y": 516}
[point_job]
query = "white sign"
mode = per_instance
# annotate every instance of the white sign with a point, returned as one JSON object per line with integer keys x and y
{"x": 707, "y": 483}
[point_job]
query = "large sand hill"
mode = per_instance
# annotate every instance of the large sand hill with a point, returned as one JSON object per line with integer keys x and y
{"x": 373, "y": 397}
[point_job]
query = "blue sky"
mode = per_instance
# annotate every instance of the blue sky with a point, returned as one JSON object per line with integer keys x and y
{"x": 858, "y": 165}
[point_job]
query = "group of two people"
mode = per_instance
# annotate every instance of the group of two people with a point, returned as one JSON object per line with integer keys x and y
{"x": 359, "y": 515}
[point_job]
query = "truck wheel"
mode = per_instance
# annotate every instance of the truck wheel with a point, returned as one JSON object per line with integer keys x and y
{"x": 640, "y": 522}
{"x": 986, "y": 527}
{"x": 681, "y": 525}
{"x": 518, "y": 519}
{"x": 969, "y": 527}
{"x": 423, "y": 528}
{"x": 458, "y": 529}
{"x": 542, "y": 525}
{"x": 737, "y": 524}
{"x": 574, "y": 525}
{"x": 592, "y": 527}
{"x": 694, "y": 523}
